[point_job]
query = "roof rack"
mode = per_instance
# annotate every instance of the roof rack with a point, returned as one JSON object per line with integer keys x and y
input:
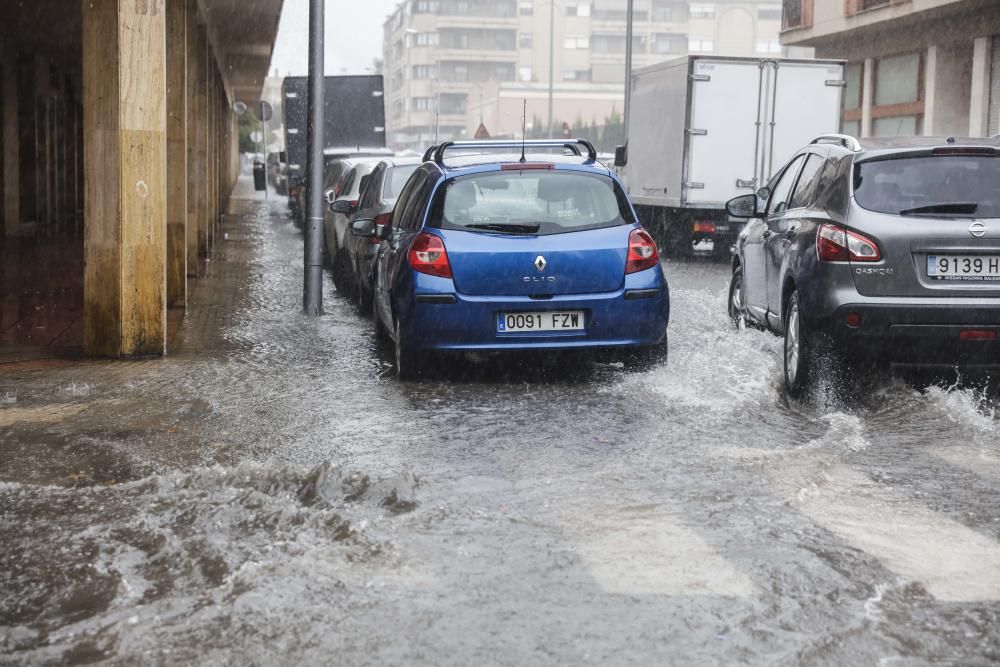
{"x": 437, "y": 153}
{"x": 845, "y": 140}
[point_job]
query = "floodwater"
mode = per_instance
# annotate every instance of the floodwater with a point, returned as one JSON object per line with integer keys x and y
{"x": 282, "y": 499}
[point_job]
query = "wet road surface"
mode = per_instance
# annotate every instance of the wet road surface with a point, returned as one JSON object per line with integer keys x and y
{"x": 272, "y": 495}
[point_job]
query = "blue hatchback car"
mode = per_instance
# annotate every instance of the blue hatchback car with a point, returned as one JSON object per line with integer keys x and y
{"x": 503, "y": 247}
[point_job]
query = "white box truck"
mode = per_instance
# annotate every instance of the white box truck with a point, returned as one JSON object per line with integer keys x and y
{"x": 704, "y": 129}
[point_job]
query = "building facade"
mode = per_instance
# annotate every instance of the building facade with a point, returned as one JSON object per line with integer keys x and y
{"x": 916, "y": 67}
{"x": 452, "y": 64}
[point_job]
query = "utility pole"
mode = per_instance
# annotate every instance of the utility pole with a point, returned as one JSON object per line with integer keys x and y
{"x": 312, "y": 293}
{"x": 552, "y": 62}
{"x": 628, "y": 68}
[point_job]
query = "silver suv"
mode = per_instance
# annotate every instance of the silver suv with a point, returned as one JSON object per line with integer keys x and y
{"x": 875, "y": 252}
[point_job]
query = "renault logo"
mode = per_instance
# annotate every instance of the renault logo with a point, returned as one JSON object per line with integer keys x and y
{"x": 540, "y": 263}
{"x": 977, "y": 229}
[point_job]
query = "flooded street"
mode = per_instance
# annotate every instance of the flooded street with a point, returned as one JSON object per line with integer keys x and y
{"x": 273, "y": 495}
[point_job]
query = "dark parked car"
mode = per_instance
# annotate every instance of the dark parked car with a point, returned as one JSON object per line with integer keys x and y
{"x": 336, "y": 163}
{"x": 379, "y": 191}
{"x": 875, "y": 252}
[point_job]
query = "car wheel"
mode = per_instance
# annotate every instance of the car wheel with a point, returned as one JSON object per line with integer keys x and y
{"x": 800, "y": 360}
{"x": 365, "y": 299}
{"x": 737, "y": 300}
{"x": 407, "y": 367}
{"x": 342, "y": 273}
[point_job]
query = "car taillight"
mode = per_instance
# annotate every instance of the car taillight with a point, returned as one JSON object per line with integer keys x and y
{"x": 836, "y": 244}
{"x": 642, "y": 252}
{"x": 427, "y": 255}
{"x": 380, "y": 222}
{"x": 293, "y": 191}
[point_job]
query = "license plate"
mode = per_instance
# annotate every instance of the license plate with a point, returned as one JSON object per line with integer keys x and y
{"x": 570, "y": 320}
{"x": 971, "y": 268}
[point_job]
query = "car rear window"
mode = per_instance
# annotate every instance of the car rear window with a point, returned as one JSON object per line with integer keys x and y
{"x": 936, "y": 185}
{"x": 395, "y": 181}
{"x": 531, "y": 201}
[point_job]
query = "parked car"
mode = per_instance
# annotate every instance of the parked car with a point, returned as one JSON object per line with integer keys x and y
{"x": 277, "y": 172}
{"x": 342, "y": 196}
{"x": 378, "y": 195}
{"x": 334, "y": 170}
{"x": 875, "y": 252}
{"x": 505, "y": 251}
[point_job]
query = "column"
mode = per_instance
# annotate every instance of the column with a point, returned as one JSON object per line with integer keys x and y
{"x": 191, "y": 36}
{"x": 176, "y": 154}
{"x": 979, "y": 98}
{"x": 11, "y": 149}
{"x": 867, "y": 97}
{"x": 124, "y": 115}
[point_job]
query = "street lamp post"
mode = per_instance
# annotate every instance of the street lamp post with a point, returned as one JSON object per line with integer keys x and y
{"x": 552, "y": 64}
{"x": 312, "y": 292}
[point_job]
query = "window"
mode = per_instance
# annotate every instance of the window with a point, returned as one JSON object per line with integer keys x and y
{"x": 796, "y": 14}
{"x": 427, "y": 39}
{"x": 969, "y": 181}
{"x": 422, "y": 103}
{"x": 526, "y": 40}
{"x": 778, "y": 202}
{"x": 424, "y": 71}
{"x": 408, "y": 203}
{"x": 804, "y": 191}
{"x": 769, "y": 47}
{"x": 426, "y": 7}
{"x": 526, "y": 7}
{"x": 461, "y": 72}
{"x": 395, "y": 180}
{"x": 871, "y": 4}
{"x": 850, "y": 117}
{"x": 582, "y": 9}
{"x": 769, "y": 13}
{"x": 666, "y": 43}
{"x": 555, "y": 201}
{"x": 576, "y": 74}
{"x": 369, "y": 188}
{"x": 576, "y": 42}
{"x": 503, "y": 72}
{"x": 700, "y": 45}
{"x": 898, "y": 107}
{"x": 702, "y": 11}
{"x": 524, "y": 73}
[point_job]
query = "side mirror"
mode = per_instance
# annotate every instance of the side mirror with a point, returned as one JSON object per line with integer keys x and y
{"x": 341, "y": 206}
{"x": 621, "y": 156}
{"x": 744, "y": 206}
{"x": 364, "y": 227}
{"x": 330, "y": 196}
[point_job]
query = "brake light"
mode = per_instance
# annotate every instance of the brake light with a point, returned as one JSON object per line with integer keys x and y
{"x": 978, "y": 334}
{"x": 428, "y": 255}
{"x": 836, "y": 244}
{"x": 380, "y": 222}
{"x": 293, "y": 191}
{"x": 703, "y": 228}
{"x": 642, "y": 252}
{"x": 522, "y": 166}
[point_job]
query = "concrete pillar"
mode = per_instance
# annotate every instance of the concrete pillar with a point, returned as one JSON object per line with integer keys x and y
{"x": 979, "y": 98}
{"x": 176, "y": 154}
{"x": 201, "y": 103}
{"x": 193, "y": 128}
{"x": 867, "y": 97}
{"x": 930, "y": 90}
{"x": 11, "y": 149}
{"x": 125, "y": 151}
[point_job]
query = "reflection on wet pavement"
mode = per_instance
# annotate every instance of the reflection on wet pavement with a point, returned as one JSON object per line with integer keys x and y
{"x": 271, "y": 494}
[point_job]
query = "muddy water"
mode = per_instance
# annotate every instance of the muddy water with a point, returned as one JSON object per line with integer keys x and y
{"x": 284, "y": 499}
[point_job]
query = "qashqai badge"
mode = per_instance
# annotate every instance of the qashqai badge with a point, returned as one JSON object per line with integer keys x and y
{"x": 540, "y": 263}
{"x": 977, "y": 229}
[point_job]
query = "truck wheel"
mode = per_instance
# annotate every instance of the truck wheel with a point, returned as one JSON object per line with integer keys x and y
{"x": 737, "y": 300}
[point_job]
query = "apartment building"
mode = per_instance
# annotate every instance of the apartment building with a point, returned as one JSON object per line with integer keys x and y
{"x": 924, "y": 67}
{"x": 452, "y": 64}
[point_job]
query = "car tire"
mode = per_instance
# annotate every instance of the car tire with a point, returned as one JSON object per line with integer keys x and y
{"x": 798, "y": 350}
{"x": 342, "y": 273}
{"x": 737, "y": 304}
{"x": 407, "y": 366}
{"x": 366, "y": 299}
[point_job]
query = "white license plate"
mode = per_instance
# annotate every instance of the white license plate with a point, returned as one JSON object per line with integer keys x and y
{"x": 569, "y": 320}
{"x": 984, "y": 268}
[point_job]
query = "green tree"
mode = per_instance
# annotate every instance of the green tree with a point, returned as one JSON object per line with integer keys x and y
{"x": 248, "y": 124}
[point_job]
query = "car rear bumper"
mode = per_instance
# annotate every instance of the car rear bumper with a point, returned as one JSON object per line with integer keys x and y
{"x": 438, "y": 318}
{"x": 960, "y": 334}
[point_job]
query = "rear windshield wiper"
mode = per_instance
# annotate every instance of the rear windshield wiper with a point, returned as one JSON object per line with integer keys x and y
{"x": 509, "y": 228}
{"x": 959, "y": 207}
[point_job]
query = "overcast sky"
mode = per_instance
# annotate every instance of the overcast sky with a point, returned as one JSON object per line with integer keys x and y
{"x": 352, "y": 41}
